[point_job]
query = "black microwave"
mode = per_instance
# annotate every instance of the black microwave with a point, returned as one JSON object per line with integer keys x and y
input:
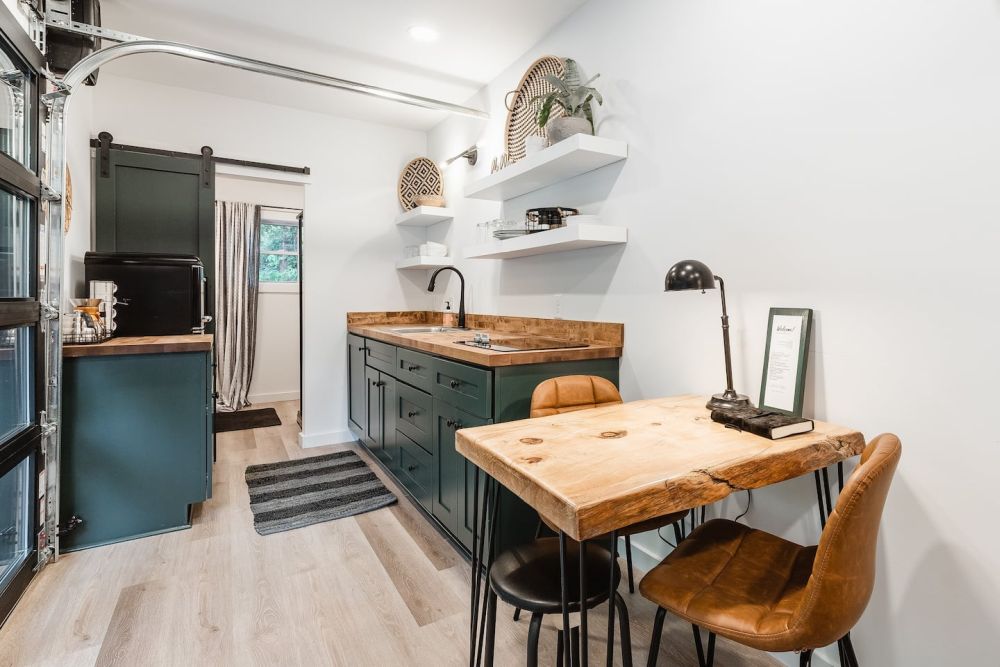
{"x": 157, "y": 294}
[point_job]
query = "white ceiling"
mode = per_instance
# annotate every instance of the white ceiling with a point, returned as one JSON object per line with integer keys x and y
{"x": 361, "y": 40}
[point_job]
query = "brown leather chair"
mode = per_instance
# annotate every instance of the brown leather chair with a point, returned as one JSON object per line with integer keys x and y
{"x": 571, "y": 393}
{"x": 771, "y": 594}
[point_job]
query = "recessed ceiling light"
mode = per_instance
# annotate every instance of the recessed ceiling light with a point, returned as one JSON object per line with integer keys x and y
{"x": 423, "y": 33}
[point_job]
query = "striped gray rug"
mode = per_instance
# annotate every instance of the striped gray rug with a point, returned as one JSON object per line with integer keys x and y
{"x": 293, "y": 494}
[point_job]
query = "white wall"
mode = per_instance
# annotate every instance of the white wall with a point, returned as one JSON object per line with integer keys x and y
{"x": 276, "y": 360}
{"x": 840, "y": 156}
{"x": 351, "y": 204}
{"x": 79, "y": 238}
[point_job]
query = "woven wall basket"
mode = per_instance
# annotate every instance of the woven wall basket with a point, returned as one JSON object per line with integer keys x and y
{"x": 521, "y": 114}
{"x": 420, "y": 177}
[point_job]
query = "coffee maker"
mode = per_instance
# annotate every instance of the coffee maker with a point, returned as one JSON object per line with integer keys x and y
{"x": 105, "y": 291}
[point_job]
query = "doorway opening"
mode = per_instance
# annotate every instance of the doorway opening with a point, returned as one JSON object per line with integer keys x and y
{"x": 276, "y": 380}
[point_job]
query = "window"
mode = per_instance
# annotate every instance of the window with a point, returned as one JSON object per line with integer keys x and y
{"x": 279, "y": 251}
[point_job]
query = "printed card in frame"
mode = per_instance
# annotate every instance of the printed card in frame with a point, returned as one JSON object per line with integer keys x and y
{"x": 782, "y": 384}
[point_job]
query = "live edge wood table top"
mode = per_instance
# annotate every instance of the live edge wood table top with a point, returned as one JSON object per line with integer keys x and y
{"x": 598, "y": 470}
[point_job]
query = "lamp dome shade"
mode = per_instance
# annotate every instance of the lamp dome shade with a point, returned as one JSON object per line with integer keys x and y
{"x": 689, "y": 274}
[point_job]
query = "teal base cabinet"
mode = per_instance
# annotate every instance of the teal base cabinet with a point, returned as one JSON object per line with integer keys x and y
{"x": 137, "y": 444}
{"x": 406, "y": 407}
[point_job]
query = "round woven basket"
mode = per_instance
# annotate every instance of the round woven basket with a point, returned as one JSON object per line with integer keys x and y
{"x": 420, "y": 177}
{"x": 521, "y": 122}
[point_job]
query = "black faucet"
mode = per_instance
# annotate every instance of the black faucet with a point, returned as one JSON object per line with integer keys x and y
{"x": 461, "y": 301}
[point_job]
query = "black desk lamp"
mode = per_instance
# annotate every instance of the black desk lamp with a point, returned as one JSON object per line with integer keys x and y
{"x": 692, "y": 274}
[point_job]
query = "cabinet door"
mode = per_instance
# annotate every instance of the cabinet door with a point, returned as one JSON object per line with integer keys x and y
{"x": 388, "y": 452}
{"x": 450, "y": 502}
{"x": 372, "y": 436}
{"x": 357, "y": 385}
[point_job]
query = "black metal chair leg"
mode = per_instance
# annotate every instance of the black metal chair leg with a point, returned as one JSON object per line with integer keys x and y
{"x": 703, "y": 659}
{"x": 626, "y": 633}
{"x": 628, "y": 564}
{"x": 678, "y": 535}
{"x": 559, "y": 650}
{"x": 842, "y": 653}
{"x": 517, "y": 614}
{"x": 852, "y": 658}
{"x": 805, "y": 658}
{"x": 533, "y": 630}
{"x": 697, "y": 645}
{"x": 574, "y": 645}
{"x": 654, "y": 642}
{"x": 491, "y": 628}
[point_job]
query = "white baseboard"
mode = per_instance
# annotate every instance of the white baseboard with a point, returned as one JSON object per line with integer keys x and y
{"x": 274, "y": 398}
{"x": 322, "y": 439}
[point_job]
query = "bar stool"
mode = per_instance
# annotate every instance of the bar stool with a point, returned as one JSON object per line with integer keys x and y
{"x": 528, "y": 577}
{"x": 571, "y": 393}
{"x": 765, "y": 592}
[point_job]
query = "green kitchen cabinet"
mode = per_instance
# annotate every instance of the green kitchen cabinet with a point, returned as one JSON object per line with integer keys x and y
{"x": 408, "y": 407}
{"x": 358, "y": 408}
{"x": 380, "y": 424}
{"x": 136, "y": 446}
{"x": 449, "y": 506}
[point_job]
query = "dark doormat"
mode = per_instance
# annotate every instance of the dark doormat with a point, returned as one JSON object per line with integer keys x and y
{"x": 245, "y": 419}
{"x": 301, "y": 492}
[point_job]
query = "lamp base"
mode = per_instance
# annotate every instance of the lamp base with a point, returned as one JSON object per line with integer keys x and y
{"x": 724, "y": 402}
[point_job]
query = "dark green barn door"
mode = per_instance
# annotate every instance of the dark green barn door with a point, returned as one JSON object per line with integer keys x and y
{"x": 156, "y": 203}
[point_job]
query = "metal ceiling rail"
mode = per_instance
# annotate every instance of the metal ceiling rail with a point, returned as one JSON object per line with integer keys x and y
{"x": 79, "y": 72}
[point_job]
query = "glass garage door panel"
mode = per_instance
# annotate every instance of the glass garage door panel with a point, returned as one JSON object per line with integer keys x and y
{"x": 16, "y": 534}
{"x": 16, "y": 379}
{"x": 15, "y": 111}
{"x": 16, "y": 266}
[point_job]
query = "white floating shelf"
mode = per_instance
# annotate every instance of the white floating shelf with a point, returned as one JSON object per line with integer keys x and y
{"x": 424, "y": 263}
{"x": 424, "y": 216}
{"x": 574, "y": 237}
{"x": 568, "y": 158}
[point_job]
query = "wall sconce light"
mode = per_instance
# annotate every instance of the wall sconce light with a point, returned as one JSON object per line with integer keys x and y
{"x": 471, "y": 154}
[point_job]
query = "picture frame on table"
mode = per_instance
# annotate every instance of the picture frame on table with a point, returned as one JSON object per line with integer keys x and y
{"x": 782, "y": 384}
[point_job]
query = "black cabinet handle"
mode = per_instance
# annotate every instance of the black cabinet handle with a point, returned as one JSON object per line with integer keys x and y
{"x": 455, "y": 384}
{"x": 380, "y": 384}
{"x": 412, "y": 413}
{"x": 413, "y": 368}
{"x": 368, "y": 350}
{"x": 410, "y": 468}
{"x": 454, "y": 423}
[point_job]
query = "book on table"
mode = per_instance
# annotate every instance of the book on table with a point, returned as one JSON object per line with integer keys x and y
{"x": 765, "y": 423}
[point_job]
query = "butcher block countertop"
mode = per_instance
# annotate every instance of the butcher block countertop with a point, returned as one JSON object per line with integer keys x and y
{"x": 604, "y": 339}
{"x": 141, "y": 345}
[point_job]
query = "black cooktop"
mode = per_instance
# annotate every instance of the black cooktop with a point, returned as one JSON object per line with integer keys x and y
{"x": 521, "y": 343}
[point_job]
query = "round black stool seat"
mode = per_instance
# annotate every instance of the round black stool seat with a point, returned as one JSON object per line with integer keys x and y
{"x": 527, "y": 576}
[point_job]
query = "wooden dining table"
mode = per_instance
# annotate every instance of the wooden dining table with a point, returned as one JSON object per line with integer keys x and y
{"x": 594, "y": 472}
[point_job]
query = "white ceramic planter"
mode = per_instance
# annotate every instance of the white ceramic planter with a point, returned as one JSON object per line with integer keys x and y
{"x": 564, "y": 127}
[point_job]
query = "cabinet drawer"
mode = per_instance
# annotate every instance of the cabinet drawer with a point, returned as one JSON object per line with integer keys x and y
{"x": 464, "y": 387}
{"x": 381, "y": 356}
{"x": 414, "y": 368}
{"x": 413, "y": 415}
{"x": 416, "y": 470}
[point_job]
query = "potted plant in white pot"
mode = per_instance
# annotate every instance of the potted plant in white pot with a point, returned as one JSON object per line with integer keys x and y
{"x": 573, "y": 96}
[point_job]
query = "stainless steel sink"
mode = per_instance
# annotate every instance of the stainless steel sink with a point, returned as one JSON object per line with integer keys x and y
{"x": 414, "y": 330}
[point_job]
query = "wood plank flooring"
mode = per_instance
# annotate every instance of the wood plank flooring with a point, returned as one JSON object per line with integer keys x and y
{"x": 376, "y": 589}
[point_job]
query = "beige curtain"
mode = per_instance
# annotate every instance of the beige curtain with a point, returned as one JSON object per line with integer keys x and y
{"x": 237, "y": 255}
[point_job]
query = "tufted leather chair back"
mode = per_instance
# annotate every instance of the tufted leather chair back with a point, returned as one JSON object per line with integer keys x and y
{"x": 843, "y": 573}
{"x": 571, "y": 393}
